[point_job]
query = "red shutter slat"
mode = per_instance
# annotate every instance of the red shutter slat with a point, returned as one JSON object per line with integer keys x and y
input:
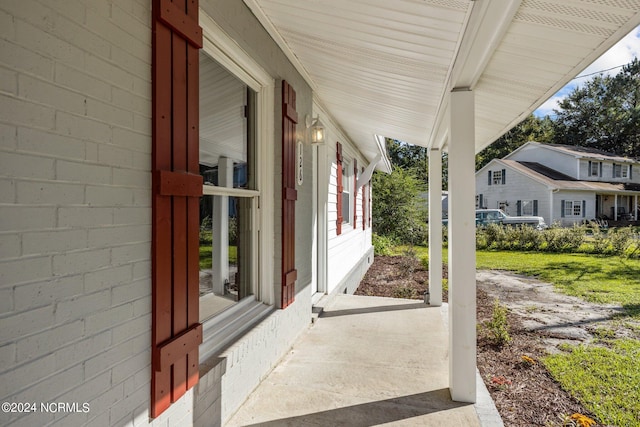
{"x": 176, "y": 188}
{"x": 364, "y": 204}
{"x": 184, "y": 25}
{"x": 339, "y": 188}
{"x": 289, "y": 194}
{"x": 355, "y": 195}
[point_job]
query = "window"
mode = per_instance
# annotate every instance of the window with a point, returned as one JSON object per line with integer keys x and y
{"x": 620, "y": 171}
{"x": 594, "y": 168}
{"x": 572, "y": 208}
{"x": 347, "y": 190}
{"x": 228, "y": 208}
{"x": 497, "y": 177}
{"x": 527, "y": 207}
{"x": 617, "y": 171}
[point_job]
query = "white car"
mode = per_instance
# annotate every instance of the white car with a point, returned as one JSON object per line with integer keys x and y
{"x": 497, "y": 216}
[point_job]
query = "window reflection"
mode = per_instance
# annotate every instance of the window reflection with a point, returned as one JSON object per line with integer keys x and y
{"x": 227, "y": 161}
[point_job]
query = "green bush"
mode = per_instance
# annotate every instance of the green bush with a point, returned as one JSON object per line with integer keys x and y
{"x": 621, "y": 240}
{"x": 399, "y": 212}
{"x": 560, "y": 239}
{"x": 381, "y": 245}
{"x": 498, "y": 326}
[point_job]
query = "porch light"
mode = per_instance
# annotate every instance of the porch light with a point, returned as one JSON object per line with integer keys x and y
{"x": 316, "y": 129}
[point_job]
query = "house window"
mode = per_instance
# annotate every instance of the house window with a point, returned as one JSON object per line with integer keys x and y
{"x": 527, "y": 207}
{"x": 228, "y": 239}
{"x": 347, "y": 190}
{"x": 594, "y": 169}
{"x": 572, "y": 208}
{"x": 620, "y": 171}
{"x": 497, "y": 177}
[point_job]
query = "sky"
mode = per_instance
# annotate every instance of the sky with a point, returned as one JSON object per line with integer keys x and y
{"x": 620, "y": 54}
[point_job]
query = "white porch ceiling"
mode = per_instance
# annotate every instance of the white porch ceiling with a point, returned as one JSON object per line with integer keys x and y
{"x": 384, "y": 67}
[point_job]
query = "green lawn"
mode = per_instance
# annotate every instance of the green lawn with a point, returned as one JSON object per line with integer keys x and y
{"x": 602, "y": 279}
{"x": 611, "y": 280}
{"x": 606, "y": 380}
{"x": 205, "y": 256}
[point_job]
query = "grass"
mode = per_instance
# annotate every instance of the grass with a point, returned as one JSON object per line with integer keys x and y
{"x": 205, "y": 256}
{"x": 595, "y": 278}
{"x": 609, "y": 280}
{"x": 605, "y": 380}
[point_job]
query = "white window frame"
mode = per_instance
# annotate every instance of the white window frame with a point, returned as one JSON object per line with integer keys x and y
{"x": 595, "y": 165}
{"x": 496, "y": 177}
{"x": 570, "y": 207}
{"x": 224, "y": 50}
{"x": 620, "y": 170}
{"x": 347, "y": 188}
{"x": 526, "y": 207}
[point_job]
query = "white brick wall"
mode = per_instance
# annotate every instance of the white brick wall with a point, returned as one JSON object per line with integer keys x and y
{"x": 75, "y": 148}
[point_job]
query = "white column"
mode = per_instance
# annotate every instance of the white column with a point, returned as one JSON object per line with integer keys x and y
{"x": 462, "y": 248}
{"x": 635, "y": 208}
{"x": 220, "y": 226}
{"x": 615, "y": 207}
{"x": 435, "y": 227}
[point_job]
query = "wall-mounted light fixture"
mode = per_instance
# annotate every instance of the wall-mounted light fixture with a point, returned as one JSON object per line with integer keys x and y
{"x": 316, "y": 129}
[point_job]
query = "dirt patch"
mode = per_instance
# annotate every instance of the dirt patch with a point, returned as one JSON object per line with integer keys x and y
{"x": 539, "y": 320}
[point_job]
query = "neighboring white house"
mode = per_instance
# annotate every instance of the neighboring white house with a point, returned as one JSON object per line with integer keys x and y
{"x": 563, "y": 184}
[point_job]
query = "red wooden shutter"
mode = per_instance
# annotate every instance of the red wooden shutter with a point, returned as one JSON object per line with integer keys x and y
{"x": 364, "y": 204}
{"x": 176, "y": 190}
{"x": 289, "y": 194}
{"x": 339, "y": 185}
{"x": 355, "y": 195}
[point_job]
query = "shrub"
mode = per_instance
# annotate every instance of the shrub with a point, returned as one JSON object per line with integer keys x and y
{"x": 381, "y": 245}
{"x": 620, "y": 240}
{"x": 408, "y": 261}
{"x": 498, "y": 326}
{"x": 559, "y": 239}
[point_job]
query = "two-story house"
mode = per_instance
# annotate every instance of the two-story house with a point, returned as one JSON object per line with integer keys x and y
{"x": 564, "y": 184}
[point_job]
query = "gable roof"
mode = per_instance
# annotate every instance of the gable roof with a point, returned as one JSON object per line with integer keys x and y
{"x": 558, "y": 181}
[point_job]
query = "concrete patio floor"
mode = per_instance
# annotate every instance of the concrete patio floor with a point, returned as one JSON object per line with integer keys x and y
{"x": 366, "y": 361}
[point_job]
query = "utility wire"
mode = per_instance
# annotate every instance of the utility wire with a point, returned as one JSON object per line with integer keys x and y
{"x": 598, "y": 72}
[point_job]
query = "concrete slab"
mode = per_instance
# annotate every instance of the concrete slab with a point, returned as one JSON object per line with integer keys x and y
{"x": 366, "y": 361}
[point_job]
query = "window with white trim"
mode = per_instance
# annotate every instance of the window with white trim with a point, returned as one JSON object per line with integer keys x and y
{"x": 497, "y": 177}
{"x": 347, "y": 191}
{"x": 572, "y": 208}
{"x": 228, "y": 207}
{"x": 527, "y": 207}
{"x": 595, "y": 169}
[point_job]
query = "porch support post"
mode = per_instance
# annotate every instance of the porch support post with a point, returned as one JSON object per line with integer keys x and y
{"x": 462, "y": 247}
{"x": 220, "y": 225}
{"x": 435, "y": 227}
{"x": 635, "y": 208}
{"x": 615, "y": 207}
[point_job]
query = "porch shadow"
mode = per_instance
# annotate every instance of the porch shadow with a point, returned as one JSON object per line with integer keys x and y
{"x": 374, "y": 413}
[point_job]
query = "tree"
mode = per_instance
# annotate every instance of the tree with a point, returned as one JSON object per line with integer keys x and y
{"x": 604, "y": 113}
{"x": 530, "y": 129}
{"x": 398, "y": 211}
{"x": 411, "y": 158}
